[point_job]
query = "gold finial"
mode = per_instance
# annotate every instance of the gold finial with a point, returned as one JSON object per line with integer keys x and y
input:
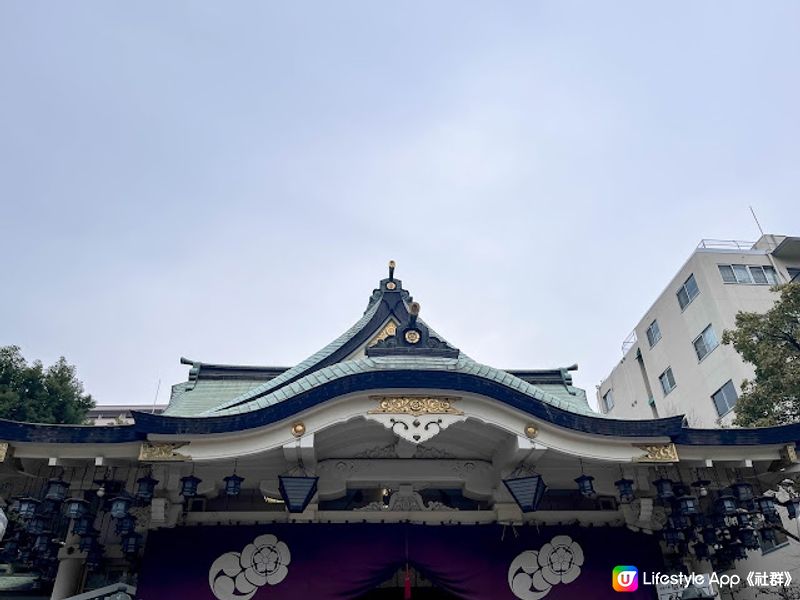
{"x": 392, "y": 265}
{"x": 298, "y": 429}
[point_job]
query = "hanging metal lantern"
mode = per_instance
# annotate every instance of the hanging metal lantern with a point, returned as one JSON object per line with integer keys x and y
{"x": 701, "y": 485}
{"x": 56, "y": 490}
{"x": 94, "y": 556}
{"x": 145, "y": 488}
{"x": 743, "y": 519}
{"x": 125, "y": 525}
{"x": 75, "y": 508}
{"x": 688, "y": 505}
{"x": 28, "y": 507}
{"x": 768, "y": 536}
{"x": 233, "y": 485}
{"x": 726, "y": 504}
{"x": 88, "y": 540}
{"x": 131, "y": 543}
{"x": 679, "y": 521}
{"x": 748, "y": 537}
{"x": 189, "y": 486}
{"x": 701, "y": 551}
{"x": 792, "y": 506}
{"x": 37, "y": 525}
{"x": 120, "y": 506}
{"x": 49, "y": 507}
{"x": 743, "y": 492}
{"x": 710, "y": 536}
{"x": 42, "y": 542}
{"x": 297, "y": 492}
{"x": 739, "y": 551}
{"x": 11, "y": 547}
{"x": 625, "y": 489}
{"x": 664, "y": 488}
{"x": 82, "y": 525}
{"x": 766, "y": 505}
{"x": 672, "y": 537}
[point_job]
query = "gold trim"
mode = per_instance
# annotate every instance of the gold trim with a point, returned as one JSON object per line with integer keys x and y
{"x": 658, "y": 453}
{"x": 531, "y": 431}
{"x": 415, "y": 405}
{"x": 389, "y": 330}
{"x": 298, "y": 429}
{"x": 789, "y": 454}
{"x": 412, "y": 336}
{"x": 162, "y": 451}
{"x": 4, "y": 447}
{"x": 391, "y": 285}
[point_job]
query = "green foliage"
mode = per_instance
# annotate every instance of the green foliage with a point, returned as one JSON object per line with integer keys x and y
{"x": 771, "y": 342}
{"x": 35, "y": 394}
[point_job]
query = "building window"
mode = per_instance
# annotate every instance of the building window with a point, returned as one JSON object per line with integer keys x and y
{"x": 705, "y": 342}
{"x": 667, "y": 380}
{"x": 687, "y": 292}
{"x": 725, "y": 398}
{"x": 751, "y": 274}
{"x": 794, "y": 273}
{"x": 608, "y": 401}
{"x": 653, "y": 333}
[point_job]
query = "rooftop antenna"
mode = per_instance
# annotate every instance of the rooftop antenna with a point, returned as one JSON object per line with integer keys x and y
{"x": 155, "y": 400}
{"x": 755, "y": 218}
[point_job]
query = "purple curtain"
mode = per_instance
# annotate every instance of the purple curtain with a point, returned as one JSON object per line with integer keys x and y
{"x": 343, "y": 561}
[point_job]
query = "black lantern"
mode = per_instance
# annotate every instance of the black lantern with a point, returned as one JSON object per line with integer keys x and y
{"x": 88, "y": 540}
{"x": 726, "y": 504}
{"x": 739, "y": 551}
{"x": 130, "y": 543}
{"x": 585, "y": 486}
{"x": 768, "y": 536}
{"x": 625, "y": 489}
{"x": 120, "y": 506}
{"x": 748, "y": 537}
{"x": 28, "y": 507}
{"x": 233, "y": 485}
{"x": 189, "y": 486}
{"x": 743, "y": 492}
{"x": 82, "y": 525}
{"x": 41, "y": 543}
{"x": 37, "y": 525}
{"x": 75, "y": 508}
{"x": 766, "y": 505}
{"x": 710, "y": 536}
{"x": 125, "y": 525}
{"x": 672, "y": 537}
{"x": 56, "y": 490}
{"x": 701, "y": 551}
{"x": 679, "y": 521}
{"x": 297, "y": 492}
{"x": 743, "y": 519}
{"x": 688, "y": 505}
{"x": 664, "y": 488}
{"x": 792, "y": 506}
{"x": 145, "y": 488}
{"x": 94, "y": 556}
{"x": 10, "y": 548}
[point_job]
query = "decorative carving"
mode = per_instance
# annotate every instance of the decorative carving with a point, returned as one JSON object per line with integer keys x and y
{"x": 389, "y": 330}
{"x": 389, "y": 451}
{"x": 3, "y": 451}
{"x": 403, "y": 501}
{"x": 415, "y": 405}
{"x": 788, "y": 454}
{"x": 162, "y": 451}
{"x": 430, "y": 452}
{"x": 412, "y": 336}
{"x": 658, "y": 453}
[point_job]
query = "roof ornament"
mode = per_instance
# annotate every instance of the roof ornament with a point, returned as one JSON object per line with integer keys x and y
{"x": 392, "y": 265}
{"x": 412, "y": 338}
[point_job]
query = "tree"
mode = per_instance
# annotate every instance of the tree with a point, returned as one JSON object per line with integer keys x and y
{"x": 771, "y": 342}
{"x": 35, "y": 394}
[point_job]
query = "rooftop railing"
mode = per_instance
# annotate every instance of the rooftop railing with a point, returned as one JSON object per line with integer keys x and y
{"x": 710, "y": 244}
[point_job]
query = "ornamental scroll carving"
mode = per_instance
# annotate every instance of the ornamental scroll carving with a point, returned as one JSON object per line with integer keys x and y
{"x": 658, "y": 453}
{"x": 162, "y": 451}
{"x": 416, "y": 418}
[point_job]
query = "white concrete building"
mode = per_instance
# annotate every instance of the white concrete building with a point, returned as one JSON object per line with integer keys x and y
{"x": 673, "y": 362}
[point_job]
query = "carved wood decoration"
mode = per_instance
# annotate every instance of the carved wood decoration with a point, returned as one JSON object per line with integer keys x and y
{"x": 3, "y": 451}
{"x": 162, "y": 451}
{"x": 658, "y": 453}
{"x": 416, "y": 418}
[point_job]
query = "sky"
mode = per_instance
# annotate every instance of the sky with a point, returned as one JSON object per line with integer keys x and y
{"x": 227, "y": 181}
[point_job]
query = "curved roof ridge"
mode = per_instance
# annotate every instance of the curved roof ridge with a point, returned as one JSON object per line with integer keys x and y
{"x": 357, "y": 366}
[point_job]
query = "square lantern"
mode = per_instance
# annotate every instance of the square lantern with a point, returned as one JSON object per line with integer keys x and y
{"x": 766, "y": 505}
{"x": 726, "y": 504}
{"x": 701, "y": 485}
{"x": 145, "y": 488}
{"x": 131, "y": 543}
{"x": 82, "y": 526}
{"x": 625, "y": 489}
{"x": 748, "y": 537}
{"x": 120, "y": 506}
{"x": 768, "y": 536}
{"x": 739, "y": 551}
{"x": 701, "y": 551}
{"x": 37, "y": 525}
{"x": 75, "y": 508}
{"x": 41, "y": 543}
{"x": 297, "y": 492}
{"x": 664, "y": 488}
{"x": 792, "y": 506}
{"x": 88, "y": 540}
{"x": 688, "y": 505}
{"x": 585, "y": 486}
{"x": 710, "y": 536}
{"x": 28, "y": 507}
{"x": 94, "y": 557}
{"x": 189, "y": 486}
{"x": 743, "y": 492}
{"x": 672, "y": 537}
{"x": 233, "y": 485}
{"x": 126, "y": 525}
{"x": 56, "y": 490}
